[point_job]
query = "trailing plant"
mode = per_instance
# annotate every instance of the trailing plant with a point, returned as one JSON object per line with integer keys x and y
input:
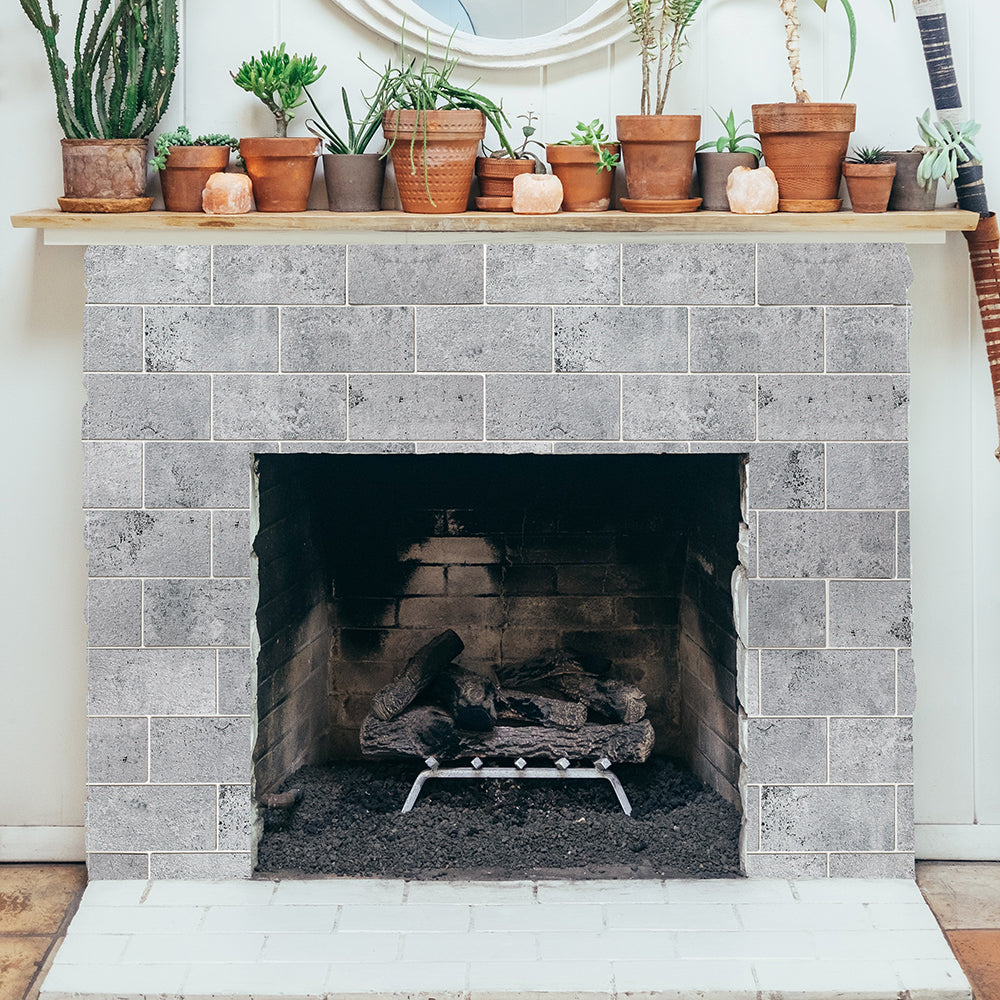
{"x": 869, "y": 154}
{"x": 278, "y": 80}
{"x": 659, "y": 27}
{"x": 730, "y": 142}
{"x": 181, "y": 136}
{"x": 592, "y": 134}
{"x": 125, "y": 58}
{"x": 950, "y": 145}
{"x": 359, "y": 133}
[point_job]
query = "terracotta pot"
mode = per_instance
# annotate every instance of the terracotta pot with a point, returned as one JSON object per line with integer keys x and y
{"x": 281, "y": 170}
{"x": 805, "y": 144}
{"x": 908, "y": 194}
{"x": 658, "y": 155}
{"x": 354, "y": 181}
{"x": 104, "y": 168}
{"x": 433, "y": 156}
{"x": 585, "y": 188}
{"x": 869, "y": 185}
{"x": 713, "y": 172}
{"x": 187, "y": 172}
{"x": 496, "y": 175}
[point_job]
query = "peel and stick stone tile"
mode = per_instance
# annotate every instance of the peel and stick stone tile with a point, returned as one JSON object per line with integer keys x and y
{"x": 484, "y": 338}
{"x": 211, "y": 339}
{"x": 876, "y": 613}
{"x": 347, "y": 339}
{"x": 867, "y": 338}
{"x": 209, "y": 865}
{"x": 115, "y": 867}
{"x": 112, "y": 474}
{"x": 621, "y": 338}
{"x": 279, "y": 407}
{"x": 552, "y": 274}
{"x": 868, "y": 475}
{"x": 151, "y": 682}
{"x": 782, "y": 751}
{"x": 414, "y": 275}
{"x": 117, "y": 750}
{"x": 871, "y": 750}
{"x": 200, "y": 750}
{"x": 139, "y": 274}
{"x": 147, "y": 407}
{"x": 787, "y": 613}
{"x": 151, "y": 817}
{"x": 197, "y": 474}
{"x": 147, "y": 542}
{"x": 232, "y": 537}
{"x": 532, "y": 407}
{"x": 688, "y": 274}
{"x": 787, "y": 476}
{"x": 114, "y": 612}
{"x": 197, "y": 612}
{"x": 279, "y": 275}
{"x": 757, "y": 339}
{"x": 688, "y": 407}
{"x": 112, "y": 339}
{"x": 418, "y": 408}
{"x": 236, "y": 672}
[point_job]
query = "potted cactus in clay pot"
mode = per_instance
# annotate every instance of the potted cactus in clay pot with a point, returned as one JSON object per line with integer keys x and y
{"x": 186, "y": 162}
{"x": 119, "y": 88}
{"x": 281, "y": 167}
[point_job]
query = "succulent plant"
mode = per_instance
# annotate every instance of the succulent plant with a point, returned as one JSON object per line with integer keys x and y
{"x": 278, "y": 80}
{"x": 181, "y": 136}
{"x": 593, "y": 134}
{"x": 950, "y": 144}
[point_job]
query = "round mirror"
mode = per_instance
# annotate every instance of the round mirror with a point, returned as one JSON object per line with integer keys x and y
{"x": 488, "y": 33}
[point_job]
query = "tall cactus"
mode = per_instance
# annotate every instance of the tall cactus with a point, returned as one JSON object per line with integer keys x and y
{"x": 125, "y": 61}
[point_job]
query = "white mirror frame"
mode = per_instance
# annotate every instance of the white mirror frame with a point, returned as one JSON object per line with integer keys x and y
{"x": 603, "y": 23}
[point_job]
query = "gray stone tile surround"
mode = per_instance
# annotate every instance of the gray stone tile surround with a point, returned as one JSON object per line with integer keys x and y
{"x": 796, "y": 354}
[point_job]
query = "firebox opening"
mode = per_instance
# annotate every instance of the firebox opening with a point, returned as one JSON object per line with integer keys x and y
{"x": 362, "y": 559}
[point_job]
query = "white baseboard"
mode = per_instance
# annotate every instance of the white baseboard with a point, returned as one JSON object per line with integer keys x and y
{"x": 958, "y": 842}
{"x": 42, "y": 843}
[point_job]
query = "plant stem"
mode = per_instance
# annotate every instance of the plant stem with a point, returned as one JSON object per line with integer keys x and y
{"x": 790, "y": 9}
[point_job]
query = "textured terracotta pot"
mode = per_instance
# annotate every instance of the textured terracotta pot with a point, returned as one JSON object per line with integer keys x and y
{"x": 869, "y": 185}
{"x": 713, "y": 172}
{"x": 585, "y": 188}
{"x": 104, "y": 168}
{"x": 805, "y": 144}
{"x": 281, "y": 170}
{"x": 187, "y": 172}
{"x": 354, "y": 181}
{"x": 658, "y": 155}
{"x": 908, "y": 194}
{"x": 433, "y": 157}
{"x": 496, "y": 175}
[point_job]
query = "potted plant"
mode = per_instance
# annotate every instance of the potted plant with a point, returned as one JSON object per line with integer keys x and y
{"x": 353, "y": 176}
{"x": 117, "y": 92}
{"x": 498, "y": 168}
{"x": 186, "y": 163}
{"x": 948, "y": 145}
{"x": 717, "y": 158}
{"x": 585, "y": 164}
{"x": 869, "y": 173}
{"x": 281, "y": 167}
{"x": 658, "y": 149}
{"x": 805, "y": 143}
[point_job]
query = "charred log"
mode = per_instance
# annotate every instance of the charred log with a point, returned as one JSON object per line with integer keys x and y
{"x": 469, "y": 697}
{"x": 613, "y": 700}
{"x": 524, "y": 708}
{"x": 558, "y": 672}
{"x": 419, "y": 672}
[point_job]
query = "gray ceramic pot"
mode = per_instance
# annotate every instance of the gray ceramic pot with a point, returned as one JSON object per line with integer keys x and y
{"x": 354, "y": 181}
{"x": 713, "y": 172}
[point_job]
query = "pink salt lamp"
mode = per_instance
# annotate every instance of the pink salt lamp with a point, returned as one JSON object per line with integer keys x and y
{"x": 537, "y": 194}
{"x": 752, "y": 192}
{"x": 227, "y": 194}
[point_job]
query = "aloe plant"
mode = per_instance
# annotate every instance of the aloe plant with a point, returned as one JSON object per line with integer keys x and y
{"x": 278, "y": 80}
{"x": 125, "y": 58}
{"x": 730, "y": 141}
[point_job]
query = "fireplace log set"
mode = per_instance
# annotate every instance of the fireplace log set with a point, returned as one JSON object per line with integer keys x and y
{"x": 558, "y": 704}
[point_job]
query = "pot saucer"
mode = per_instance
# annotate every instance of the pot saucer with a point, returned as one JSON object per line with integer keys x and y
{"x": 492, "y": 204}
{"x": 809, "y": 204}
{"x": 106, "y": 205}
{"x": 654, "y": 207}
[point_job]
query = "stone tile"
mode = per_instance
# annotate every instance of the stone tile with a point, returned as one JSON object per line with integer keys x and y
{"x": 221, "y": 865}
{"x": 232, "y": 538}
{"x": 868, "y": 866}
{"x": 962, "y": 894}
{"x": 197, "y": 612}
{"x": 112, "y": 339}
{"x": 236, "y": 814}
{"x": 751, "y": 819}
{"x": 147, "y": 542}
{"x": 688, "y": 274}
{"x": 347, "y": 339}
{"x": 407, "y": 275}
{"x": 621, "y": 338}
{"x": 609, "y": 891}
{"x": 376, "y": 948}
{"x": 151, "y": 682}
{"x": 821, "y": 916}
{"x": 927, "y": 979}
{"x": 114, "y": 612}
{"x": 902, "y": 916}
{"x": 279, "y": 407}
{"x": 211, "y": 339}
{"x": 787, "y": 476}
{"x": 484, "y": 338}
{"x": 906, "y": 683}
{"x": 201, "y": 893}
{"x": 436, "y": 918}
{"x": 200, "y": 750}
{"x": 828, "y": 818}
{"x": 789, "y": 866}
{"x": 235, "y": 679}
{"x": 147, "y": 407}
{"x": 868, "y": 475}
{"x": 20, "y": 959}
{"x": 112, "y": 474}
{"x": 827, "y": 544}
{"x": 153, "y": 818}
{"x": 279, "y": 274}
{"x": 138, "y": 274}
{"x": 346, "y": 448}
{"x": 326, "y": 892}
{"x": 718, "y": 916}
{"x": 34, "y": 898}
{"x": 874, "y": 613}
{"x": 440, "y": 980}
{"x": 730, "y": 890}
{"x": 786, "y": 750}
{"x": 873, "y": 339}
{"x": 757, "y": 339}
{"x": 118, "y": 980}
{"x": 92, "y": 949}
{"x": 832, "y": 273}
{"x": 832, "y": 408}
{"x": 110, "y": 868}
{"x": 532, "y": 917}
{"x": 827, "y": 682}
{"x": 197, "y": 474}
{"x": 746, "y": 944}
{"x": 871, "y": 750}
{"x": 686, "y": 407}
{"x": 118, "y": 750}
{"x": 787, "y": 613}
{"x": 620, "y": 448}
{"x": 816, "y": 978}
{"x": 421, "y": 408}
{"x": 577, "y": 274}
{"x": 903, "y": 569}
{"x": 221, "y": 949}
{"x": 532, "y": 407}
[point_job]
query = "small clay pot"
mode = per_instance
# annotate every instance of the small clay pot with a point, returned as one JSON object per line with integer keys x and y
{"x": 714, "y": 169}
{"x": 281, "y": 170}
{"x": 354, "y": 181}
{"x": 658, "y": 155}
{"x": 869, "y": 185}
{"x": 104, "y": 168}
{"x": 908, "y": 194}
{"x": 496, "y": 175}
{"x": 585, "y": 188}
{"x": 186, "y": 173}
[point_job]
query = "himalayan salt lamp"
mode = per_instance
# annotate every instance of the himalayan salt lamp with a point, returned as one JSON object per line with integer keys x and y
{"x": 227, "y": 194}
{"x": 537, "y": 194}
{"x": 752, "y": 192}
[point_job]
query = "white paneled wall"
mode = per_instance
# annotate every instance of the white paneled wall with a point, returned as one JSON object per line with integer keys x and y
{"x": 736, "y": 58}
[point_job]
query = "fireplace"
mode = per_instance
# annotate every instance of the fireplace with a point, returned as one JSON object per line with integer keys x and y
{"x": 354, "y": 363}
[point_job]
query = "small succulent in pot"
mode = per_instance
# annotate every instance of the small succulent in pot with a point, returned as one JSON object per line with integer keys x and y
{"x": 498, "y": 168}
{"x": 585, "y": 164}
{"x": 729, "y": 141}
{"x": 718, "y": 158}
{"x": 869, "y": 172}
{"x": 186, "y": 162}
{"x": 949, "y": 144}
{"x": 181, "y": 136}
{"x": 593, "y": 134}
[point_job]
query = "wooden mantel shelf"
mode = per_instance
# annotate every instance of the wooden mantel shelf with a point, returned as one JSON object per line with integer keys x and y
{"x": 367, "y": 227}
